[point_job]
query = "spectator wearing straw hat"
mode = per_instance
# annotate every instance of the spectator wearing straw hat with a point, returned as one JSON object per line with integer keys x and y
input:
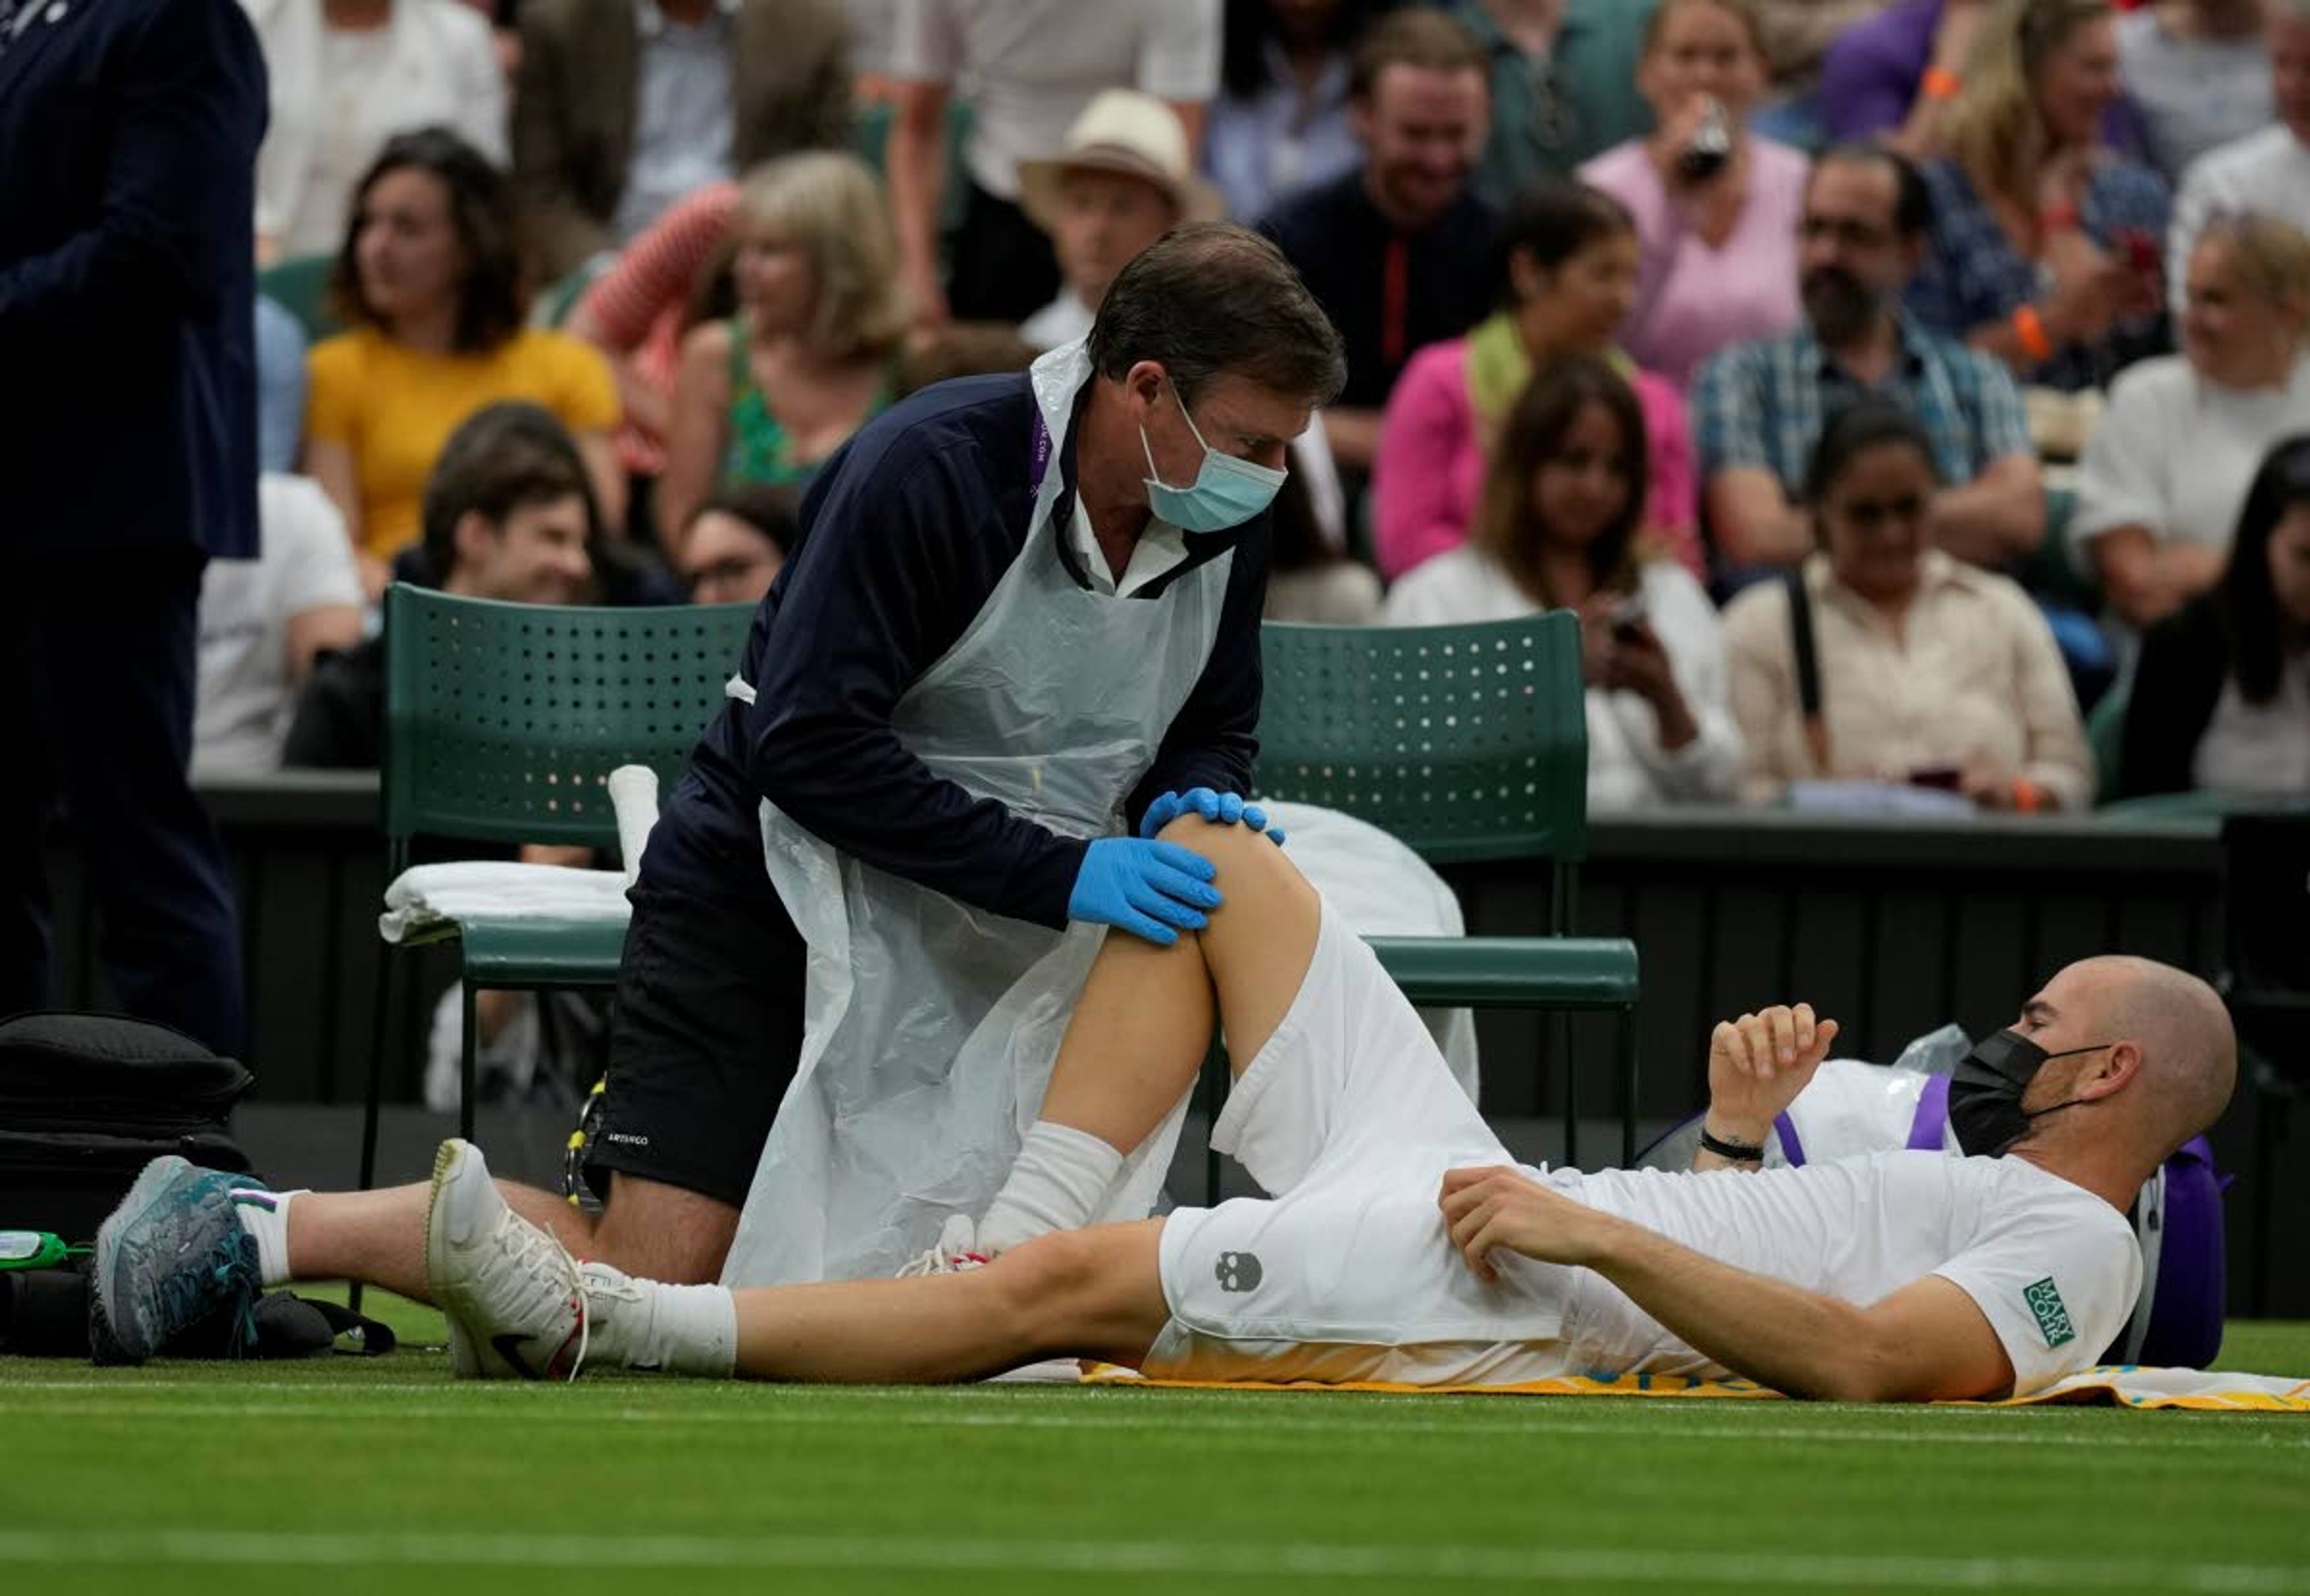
{"x": 1122, "y": 180}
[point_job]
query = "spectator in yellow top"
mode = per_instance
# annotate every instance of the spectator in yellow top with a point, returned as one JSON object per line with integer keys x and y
{"x": 429, "y": 281}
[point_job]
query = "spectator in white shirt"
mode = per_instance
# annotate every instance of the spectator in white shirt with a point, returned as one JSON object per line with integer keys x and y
{"x": 264, "y": 621}
{"x": 2268, "y": 172}
{"x": 1556, "y": 527}
{"x": 2197, "y": 73}
{"x": 1031, "y": 67}
{"x": 2165, "y": 477}
{"x": 346, "y": 75}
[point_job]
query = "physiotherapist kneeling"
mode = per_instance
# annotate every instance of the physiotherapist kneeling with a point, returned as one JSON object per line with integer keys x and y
{"x": 1021, "y": 631}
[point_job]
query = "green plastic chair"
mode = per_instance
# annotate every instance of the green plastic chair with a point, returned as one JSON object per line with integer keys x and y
{"x": 2048, "y": 570}
{"x": 300, "y": 286}
{"x": 1468, "y": 743}
{"x": 870, "y": 141}
{"x": 2106, "y": 737}
{"x": 552, "y": 307}
{"x": 2198, "y": 811}
{"x": 503, "y": 722}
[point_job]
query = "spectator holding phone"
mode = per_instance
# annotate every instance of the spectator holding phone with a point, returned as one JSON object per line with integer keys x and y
{"x": 1926, "y": 670}
{"x": 1715, "y": 205}
{"x": 2045, "y": 243}
{"x": 1558, "y": 527}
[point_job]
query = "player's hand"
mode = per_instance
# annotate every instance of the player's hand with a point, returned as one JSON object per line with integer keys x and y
{"x": 1759, "y": 1063}
{"x": 1486, "y": 1209}
{"x": 1217, "y": 808}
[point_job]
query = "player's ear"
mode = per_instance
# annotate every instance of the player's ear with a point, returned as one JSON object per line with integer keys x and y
{"x": 2111, "y": 1071}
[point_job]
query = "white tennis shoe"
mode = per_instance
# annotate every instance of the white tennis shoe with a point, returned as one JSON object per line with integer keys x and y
{"x": 518, "y": 1303}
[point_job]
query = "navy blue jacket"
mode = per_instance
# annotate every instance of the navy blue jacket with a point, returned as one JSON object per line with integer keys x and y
{"x": 128, "y": 135}
{"x": 907, "y": 532}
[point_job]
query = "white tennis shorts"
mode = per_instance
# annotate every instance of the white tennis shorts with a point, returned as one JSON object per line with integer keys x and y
{"x": 1350, "y": 1117}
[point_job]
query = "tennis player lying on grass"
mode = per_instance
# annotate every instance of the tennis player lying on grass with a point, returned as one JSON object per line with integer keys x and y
{"x": 1400, "y": 1243}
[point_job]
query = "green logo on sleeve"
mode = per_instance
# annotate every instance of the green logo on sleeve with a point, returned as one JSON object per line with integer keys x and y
{"x": 2053, "y": 1315}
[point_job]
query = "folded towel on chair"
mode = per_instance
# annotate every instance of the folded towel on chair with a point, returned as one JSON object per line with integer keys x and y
{"x": 429, "y": 900}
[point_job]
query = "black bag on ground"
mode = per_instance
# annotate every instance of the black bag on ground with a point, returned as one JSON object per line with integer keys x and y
{"x": 87, "y": 1100}
{"x": 44, "y": 1314}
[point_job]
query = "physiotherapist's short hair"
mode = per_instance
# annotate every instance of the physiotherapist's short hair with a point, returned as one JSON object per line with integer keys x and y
{"x": 1212, "y": 300}
{"x": 502, "y": 458}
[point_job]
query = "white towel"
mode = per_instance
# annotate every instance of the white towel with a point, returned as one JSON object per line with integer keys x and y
{"x": 633, "y": 793}
{"x": 429, "y": 899}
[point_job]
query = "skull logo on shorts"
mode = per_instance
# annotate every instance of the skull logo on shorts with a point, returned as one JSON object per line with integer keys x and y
{"x": 1238, "y": 1271}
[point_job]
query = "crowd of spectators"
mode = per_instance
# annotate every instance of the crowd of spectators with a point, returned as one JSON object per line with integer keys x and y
{"x": 1882, "y": 382}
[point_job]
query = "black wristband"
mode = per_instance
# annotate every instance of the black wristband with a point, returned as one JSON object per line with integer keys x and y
{"x": 1733, "y": 1151}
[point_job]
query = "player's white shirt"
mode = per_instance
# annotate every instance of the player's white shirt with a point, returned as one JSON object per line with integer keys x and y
{"x": 1347, "y": 1273}
{"x": 2054, "y": 1269}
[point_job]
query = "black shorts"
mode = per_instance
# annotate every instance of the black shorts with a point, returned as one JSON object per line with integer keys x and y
{"x": 703, "y": 1038}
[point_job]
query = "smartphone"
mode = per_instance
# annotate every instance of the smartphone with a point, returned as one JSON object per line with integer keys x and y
{"x": 1946, "y": 778}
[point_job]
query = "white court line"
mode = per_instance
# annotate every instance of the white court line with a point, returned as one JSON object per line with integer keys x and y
{"x": 949, "y": 1554}
{"x": 1250, "y": 1427}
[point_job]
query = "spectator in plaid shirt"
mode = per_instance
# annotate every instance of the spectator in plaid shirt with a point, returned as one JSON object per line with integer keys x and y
{"x": 1758, "y": 408}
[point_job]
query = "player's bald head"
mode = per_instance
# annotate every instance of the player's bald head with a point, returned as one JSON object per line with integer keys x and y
{"x": 2189, "y": 1054}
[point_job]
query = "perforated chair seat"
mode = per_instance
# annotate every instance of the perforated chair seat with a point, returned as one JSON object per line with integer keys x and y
{"x": 503, "y": 722}
{"x": 1464, "y": 742}
{"x": 1468, "y": 743}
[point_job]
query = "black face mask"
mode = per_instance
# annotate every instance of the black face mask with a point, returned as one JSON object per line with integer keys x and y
{"x": 1985, "y": 1099}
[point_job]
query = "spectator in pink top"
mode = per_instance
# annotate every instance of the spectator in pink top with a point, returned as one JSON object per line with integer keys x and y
{"x": 1715, "y": 206}
{"x": 1571, "y": 275}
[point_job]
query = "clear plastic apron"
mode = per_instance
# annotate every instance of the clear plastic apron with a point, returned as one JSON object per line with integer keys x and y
{"x": 930, "y": 1027}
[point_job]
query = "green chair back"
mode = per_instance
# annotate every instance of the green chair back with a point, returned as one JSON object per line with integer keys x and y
{"x": 2200, "y": 811}
{"x": 2049, "y": 572}
{"x": 552, "y": 307}
{"x": 300, "y": 286}
{"x": 2106, "y": 737}
{"x": 1466, "y": 742}
{"x": 870, "y": 141}
{"x": 503, "y": 720}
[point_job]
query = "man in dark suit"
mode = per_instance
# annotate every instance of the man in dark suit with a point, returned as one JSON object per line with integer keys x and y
{"x": 623, "y": 108}
{"x": 128, "y": 135}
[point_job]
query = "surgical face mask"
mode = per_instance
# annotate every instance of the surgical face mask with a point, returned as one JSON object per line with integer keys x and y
{"x": 1985, "y": 1091}
{"x": 1227, "y": 492}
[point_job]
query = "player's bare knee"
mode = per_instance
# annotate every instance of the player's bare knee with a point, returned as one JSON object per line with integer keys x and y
{"x": 1244, "y": 854}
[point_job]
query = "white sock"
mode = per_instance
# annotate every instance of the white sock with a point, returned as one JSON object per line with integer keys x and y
{"x": 1060, "y": 1176}
{"x": 264, "y": 1215}
{"x": 680, "y": 1329}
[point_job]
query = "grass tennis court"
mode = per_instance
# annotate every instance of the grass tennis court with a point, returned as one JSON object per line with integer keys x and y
{"x": 350, "y": 1475}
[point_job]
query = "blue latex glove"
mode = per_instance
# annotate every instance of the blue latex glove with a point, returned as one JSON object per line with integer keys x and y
{"x": 1146, "y": 888}
{"x": 1220, "y": 809}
